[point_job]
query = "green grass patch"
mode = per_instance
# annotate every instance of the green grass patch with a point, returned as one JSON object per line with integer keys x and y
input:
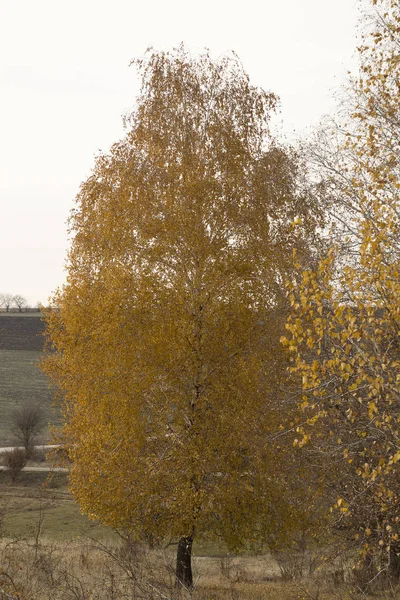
{"x": 209, "y": 548}
{"x": 37, "y": 497}
{"x": 58, "y": 520}
{"x": 39, "y": 501}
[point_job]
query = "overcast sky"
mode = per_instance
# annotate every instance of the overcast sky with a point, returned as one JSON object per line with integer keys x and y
{"x": 65, "y": 82}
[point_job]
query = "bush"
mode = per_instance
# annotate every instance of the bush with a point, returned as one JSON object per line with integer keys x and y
{"x": 14, "y": 460}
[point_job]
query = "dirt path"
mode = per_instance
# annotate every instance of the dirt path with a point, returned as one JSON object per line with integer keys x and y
{"x": 40, "y": 469}
{"x": 43, "y": 448}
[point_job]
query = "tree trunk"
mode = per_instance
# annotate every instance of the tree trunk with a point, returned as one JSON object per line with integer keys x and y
{"x": 366, "y": 573}
{"x": 394, "y": 564}
{"x": 184, "y": 575}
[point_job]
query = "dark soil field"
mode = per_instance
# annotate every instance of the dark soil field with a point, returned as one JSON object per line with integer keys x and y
{"x": 21, "y": 380}
{"x": 21, "y": 332}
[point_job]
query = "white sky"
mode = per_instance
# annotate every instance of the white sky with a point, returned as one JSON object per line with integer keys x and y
{"x": 65, "y": 82}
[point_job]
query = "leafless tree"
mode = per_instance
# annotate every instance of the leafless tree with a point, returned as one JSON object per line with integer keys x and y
{"x": 6, "y": 301}
{"x": 27, "y": 422}
{"x": 19, "y": 302}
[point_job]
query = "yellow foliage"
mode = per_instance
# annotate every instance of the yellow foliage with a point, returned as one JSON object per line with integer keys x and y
{"x": 165, "y": 340}
{"x": 349, "y": 359}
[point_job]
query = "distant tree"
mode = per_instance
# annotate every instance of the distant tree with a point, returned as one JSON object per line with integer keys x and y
{"x": 27, "y": 422}
{"x": 166, "y": 336}
{"x": 6, "y": 301}
{"x": 19, "y": 302}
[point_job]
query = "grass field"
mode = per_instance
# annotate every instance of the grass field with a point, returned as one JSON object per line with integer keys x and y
{"x": 48, "y": 546}
{"x": 37, "y": 498}
{"x": 36, "y": 495}
{"x": 49, "y": 549}
{"x": 21, "y": 381}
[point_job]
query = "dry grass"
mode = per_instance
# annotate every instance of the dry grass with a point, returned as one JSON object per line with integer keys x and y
{"x": 86, "y": 570}
{"x": 42, "y": 558}
{"x": 40, "y": 569}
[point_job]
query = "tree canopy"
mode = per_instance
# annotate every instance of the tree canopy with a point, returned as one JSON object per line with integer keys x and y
{"x": 344, "y": 328}
{"x": 165, "y": 342}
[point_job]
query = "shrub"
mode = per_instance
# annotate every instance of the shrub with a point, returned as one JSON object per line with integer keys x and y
{"x": 14, "y": 460}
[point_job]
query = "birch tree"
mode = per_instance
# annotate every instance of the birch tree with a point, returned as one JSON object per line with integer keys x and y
{"x": 165, "y": 341}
